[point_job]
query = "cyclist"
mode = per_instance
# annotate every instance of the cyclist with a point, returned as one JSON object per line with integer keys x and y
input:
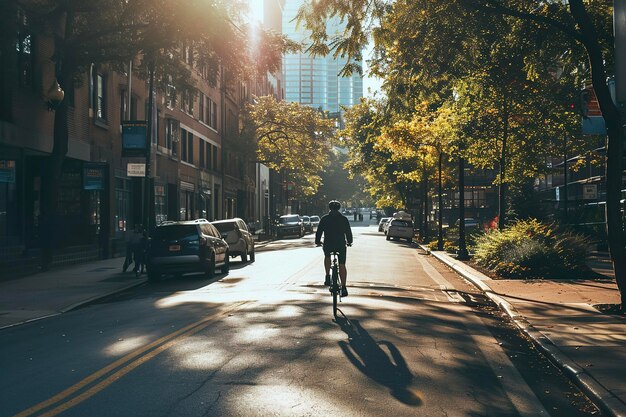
{"x": 337, "y": 233}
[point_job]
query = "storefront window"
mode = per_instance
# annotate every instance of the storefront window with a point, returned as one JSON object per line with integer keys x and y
{"x": 123, "y": 206}
{"x": 9, "y": 224}
{"x": 160, "y": 204}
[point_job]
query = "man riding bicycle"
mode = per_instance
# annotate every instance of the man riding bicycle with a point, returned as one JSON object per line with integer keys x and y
{"x": 337, "y": 233}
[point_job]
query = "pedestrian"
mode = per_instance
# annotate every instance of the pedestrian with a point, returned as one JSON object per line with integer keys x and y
{"x": 139, "y": 242}
{"x": 128, "y": 234}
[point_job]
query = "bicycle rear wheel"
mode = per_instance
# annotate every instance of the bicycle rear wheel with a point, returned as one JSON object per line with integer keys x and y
{"x": 335, "y": 290}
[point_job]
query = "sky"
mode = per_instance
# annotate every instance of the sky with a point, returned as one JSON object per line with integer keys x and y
{"x": 370, "y": 84}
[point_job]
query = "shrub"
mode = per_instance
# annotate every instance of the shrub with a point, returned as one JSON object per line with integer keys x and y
{"x": 531, "y": 249}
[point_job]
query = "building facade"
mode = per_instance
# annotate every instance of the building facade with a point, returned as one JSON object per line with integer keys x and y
{"x": 194, "y": 172}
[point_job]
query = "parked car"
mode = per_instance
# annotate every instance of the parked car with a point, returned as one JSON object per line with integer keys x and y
{"x": 315, "y": 221}
{"x": 186, "y": 246}
{"x": 289, "y": 225}
{"x": 382, "y": 222}
{"x": 239, "y": 238}
{"x": 400, "y": 229}
{"x": 308, "y": 227}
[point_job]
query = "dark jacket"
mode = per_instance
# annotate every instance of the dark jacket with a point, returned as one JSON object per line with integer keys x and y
{"x": 336, "y": 230}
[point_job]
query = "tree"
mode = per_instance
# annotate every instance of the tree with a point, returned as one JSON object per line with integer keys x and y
{"x": 294, "y": 140}
{"x": 576, "y": 28}
{"x": 391, "y": 177}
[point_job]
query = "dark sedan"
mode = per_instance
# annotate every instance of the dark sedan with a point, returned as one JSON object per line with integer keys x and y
{"x": 289, "y": 225}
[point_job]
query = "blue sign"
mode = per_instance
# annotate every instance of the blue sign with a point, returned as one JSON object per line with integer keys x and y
{"x": 134, "y": 135}
{"x": 94, "y": 176}
{"x": 7, "y": 171}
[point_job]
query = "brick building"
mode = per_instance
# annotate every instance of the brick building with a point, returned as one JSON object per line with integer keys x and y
{"x": 194, "y": 173}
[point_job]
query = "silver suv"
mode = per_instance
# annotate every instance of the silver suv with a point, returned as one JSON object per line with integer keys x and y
{"x": 186, "y": 246}
{"x": 240, "y": 241}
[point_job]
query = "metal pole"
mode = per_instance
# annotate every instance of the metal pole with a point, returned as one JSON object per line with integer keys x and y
{"x": 440, "y": 214}
{"x": 462, "y": 254}
{"x": 147, "y": 188}
{"x": 130, "y": 88}
{"x": 565, "y": 197}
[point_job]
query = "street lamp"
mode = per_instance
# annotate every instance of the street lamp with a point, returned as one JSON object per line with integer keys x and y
{"x": 462, "y": 253}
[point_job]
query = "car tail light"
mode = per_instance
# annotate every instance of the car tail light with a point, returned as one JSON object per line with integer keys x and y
{"x": 203, "y": 241}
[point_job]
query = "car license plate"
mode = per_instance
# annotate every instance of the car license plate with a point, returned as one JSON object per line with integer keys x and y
{"x": 174, "y": 248}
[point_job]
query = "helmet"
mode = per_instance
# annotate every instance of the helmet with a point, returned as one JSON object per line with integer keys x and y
{"x": 334, "y": 205}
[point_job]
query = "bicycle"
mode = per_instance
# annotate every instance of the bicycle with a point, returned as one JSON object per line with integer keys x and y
{"x": 335, "y": 288}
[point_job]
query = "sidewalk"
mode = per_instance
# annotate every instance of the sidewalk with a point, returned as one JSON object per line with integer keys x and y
{"x": 46, "y": 294}
{"x": 53, "y": 292}
{"x": 589, "y": 346}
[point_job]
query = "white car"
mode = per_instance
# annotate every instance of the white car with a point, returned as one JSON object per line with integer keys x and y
{"x": 315, "y": 221}
{"x": 240, "y": 241}
{"x": 400, "y": 229}
{"x": 381, "y": 224}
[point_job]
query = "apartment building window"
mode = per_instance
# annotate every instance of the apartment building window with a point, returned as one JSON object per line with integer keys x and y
{"x": 209, "y": 156}
{"x": 160, "y": 203}
{"x": 187, "y": 53}
{"x": 186, "y": 146}
{"x": 123, "y": 205}
{"x": 213, "y": 114}
{"x": 204, "y": 108}
{"x": 202, "y": 153}
{"x": 187, "y": 102}
{"x": 183, "y": 145}
{"x": 100, "y": 97}
{"x": 172, "y": 135}
{"x": 170, "y": 95}
{"x": 215, "y": 160}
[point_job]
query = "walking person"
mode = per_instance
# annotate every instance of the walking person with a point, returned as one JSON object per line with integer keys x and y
{"x": 128, "y": 236}
{"x": 337, "y": 234}
{"x": 139, "y": 243}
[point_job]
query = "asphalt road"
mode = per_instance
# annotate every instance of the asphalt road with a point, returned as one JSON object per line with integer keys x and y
{"x": 412, "y": 340}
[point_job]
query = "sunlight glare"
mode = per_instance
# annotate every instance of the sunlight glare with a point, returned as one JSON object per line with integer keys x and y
{"x": 122, "y": 347}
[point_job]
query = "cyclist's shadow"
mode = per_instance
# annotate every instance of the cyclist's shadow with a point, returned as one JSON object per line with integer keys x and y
{"x": 368, "y": 356}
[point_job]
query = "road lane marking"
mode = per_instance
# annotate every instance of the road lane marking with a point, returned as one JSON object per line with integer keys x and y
{"x": 166, "y": 340}
{"x": 517, "y": 390}
{"x": 433, "y": 273}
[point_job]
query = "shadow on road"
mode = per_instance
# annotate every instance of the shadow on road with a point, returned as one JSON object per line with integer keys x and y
{"x": 379, "y": 360}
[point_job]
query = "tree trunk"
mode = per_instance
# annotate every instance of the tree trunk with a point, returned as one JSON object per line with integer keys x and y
{"x": 50, "y": 185}
{"x": 615, "y": 145}
{"x": 54, "y": 164}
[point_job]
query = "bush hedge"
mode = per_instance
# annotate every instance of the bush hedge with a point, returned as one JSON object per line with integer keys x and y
{"x": 531, "y": 249}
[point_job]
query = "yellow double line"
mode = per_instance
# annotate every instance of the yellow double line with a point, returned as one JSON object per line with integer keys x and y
{"x": 125, "y": 365}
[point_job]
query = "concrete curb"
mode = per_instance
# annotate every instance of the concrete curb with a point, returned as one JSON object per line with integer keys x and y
{"x": 74, "y": 306}
{"x": 608, "y": 402}
{"x": 78, "y": 304}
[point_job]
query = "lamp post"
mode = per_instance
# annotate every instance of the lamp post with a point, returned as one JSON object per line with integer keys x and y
{"x": 148, "y": 206}
{"x": 462, "y": 253}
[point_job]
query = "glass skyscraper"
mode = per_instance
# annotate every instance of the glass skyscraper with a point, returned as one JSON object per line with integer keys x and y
{"x": 314, "y": 81}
